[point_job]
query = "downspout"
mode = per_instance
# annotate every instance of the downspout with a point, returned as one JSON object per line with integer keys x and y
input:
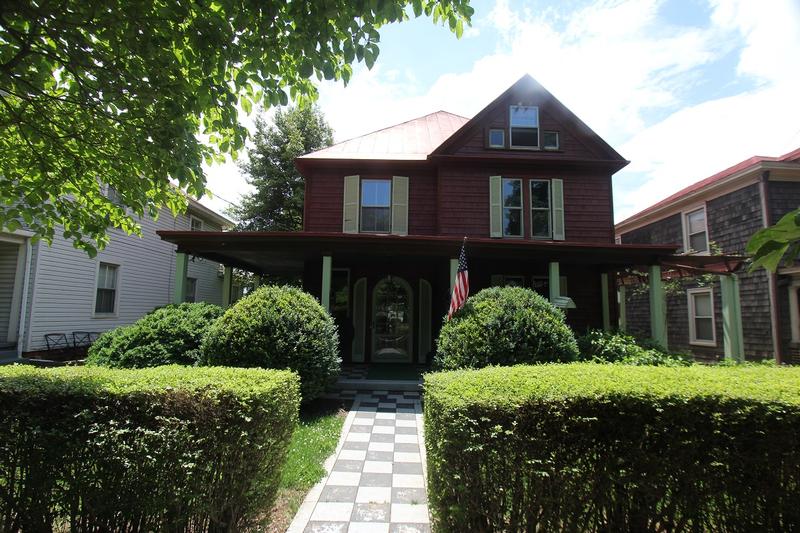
{"x": 23, "y": 311}
{"x": 772, "y": 277}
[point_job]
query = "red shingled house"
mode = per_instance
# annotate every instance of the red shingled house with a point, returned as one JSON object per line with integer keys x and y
{"x": 524, "y": 180}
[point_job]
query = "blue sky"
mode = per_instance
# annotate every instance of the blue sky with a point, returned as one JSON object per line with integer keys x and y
{"x": 682, "y": 88}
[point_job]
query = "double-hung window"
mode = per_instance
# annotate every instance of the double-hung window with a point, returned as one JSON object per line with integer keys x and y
{"x": 540, "y": 209}
{"x": 195, "y": 224}
{"x": 701, "y": 317}
{"x": 512, "y": 207}
{"x": 524, "y": 126}
{"x": 376, "y": 206}
{"x": 106, "y": 295}
{"x": 696, "y": 231}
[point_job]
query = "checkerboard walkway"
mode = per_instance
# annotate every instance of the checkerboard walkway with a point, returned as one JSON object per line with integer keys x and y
{"x": 376, "y": 478}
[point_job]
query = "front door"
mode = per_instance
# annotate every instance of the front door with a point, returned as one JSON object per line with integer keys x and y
{"x": 392, "y": 321}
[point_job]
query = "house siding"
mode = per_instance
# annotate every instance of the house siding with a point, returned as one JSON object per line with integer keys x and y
{"x": 784, "y": 196}
{"x": 731, "y": 219}
{"x": 63, "y": 282}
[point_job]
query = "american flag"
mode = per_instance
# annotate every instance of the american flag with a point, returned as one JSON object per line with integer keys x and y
{"x": 461, "y": 286}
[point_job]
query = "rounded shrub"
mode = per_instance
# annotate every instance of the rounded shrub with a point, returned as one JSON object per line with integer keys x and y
{"x": 616, "y": 347}
{"x": 278, "y": 327}
{"x": 168, "y": 335}
{"x": 505, "y": 326}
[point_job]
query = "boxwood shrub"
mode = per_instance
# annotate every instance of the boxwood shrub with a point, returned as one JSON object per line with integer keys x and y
{"x": 599, "y": 447}
{"x": 277, "y": 327}
{"x": 162, "y": 449}
{"x": 617, "y": 347}
{"x": 504, "y": 326}
{"x": 168, "y": 335}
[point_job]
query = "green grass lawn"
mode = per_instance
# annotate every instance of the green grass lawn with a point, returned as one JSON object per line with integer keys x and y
{"x": 313, "y": 441}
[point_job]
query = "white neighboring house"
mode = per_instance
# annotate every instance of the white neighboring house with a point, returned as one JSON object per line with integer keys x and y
{"x": 59, "y": 289}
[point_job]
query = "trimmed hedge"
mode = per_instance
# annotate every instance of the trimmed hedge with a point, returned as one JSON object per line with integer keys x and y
{"x": 278, "y": 327}
{"x": 165, "y": 336}
{"x": 598, "y": 447}
{"x": 504, "y": 326}
{"x": 161, "y": 449}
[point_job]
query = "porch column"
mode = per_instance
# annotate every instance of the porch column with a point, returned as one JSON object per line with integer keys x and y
{"x": 181, "y": 270}
{"x": 733, "y": 339}
{"x": 227, "y": 281}
{"x": 554, "y": 282}
{"x": 623, "y": 319}
{"x": 327, "y": 273}
{"x": 256, "y": 281}
{"x": 604, "y": 299}
{"x": 453, "y": 273}
{"x": 658, "y": 307}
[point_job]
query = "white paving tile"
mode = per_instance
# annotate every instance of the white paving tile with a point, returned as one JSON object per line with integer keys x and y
{"x": 410, "y": 513}
{"x": 332, "y": 512}
{"x": 357, "y": 437}
{"x": 411, "y": 481}
{"x": 381, "y": 446}
{"x": 383, "y": 429}
{"x": 385, "y": 416}
{"x": 363, "y": 421}
{"x": 407, "y": 457}
{"x": 347, "y": 479}
{"x": 406, "y": 423}
{"x": 374, "y": 495}
{"x": 354, "y": 455}
{"x": 378, "y": 467}
{"x": 406, "y": 439}
{"x": 368, "y": 527}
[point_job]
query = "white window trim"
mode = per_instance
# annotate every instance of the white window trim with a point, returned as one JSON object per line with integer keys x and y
{"x": 521, "y": 208}
{"x": 558, "y": 142}
{"x": 794, "y": 310}
{"x": 192, "y": 218}
{"x": 538, "y": 130}
{"x": 693, "y": 340}
{"x": 685, "y": 227}
{"x": 501, "y": 130}
{"x": 549, "y": 210}
{"x": 361, "y": 206}
{"x": 117, "y": 291}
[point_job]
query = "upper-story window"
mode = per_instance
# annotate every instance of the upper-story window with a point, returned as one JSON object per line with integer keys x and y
{"x": 497, "y": 138}
{"x": 695, "y": 231}
{"x": 524, "y": 126}
{"x": 376, "y": 206}
{"x": 512, "y": 207}
{"x": 540, "y": 209}
{"x": 195, "y": 223}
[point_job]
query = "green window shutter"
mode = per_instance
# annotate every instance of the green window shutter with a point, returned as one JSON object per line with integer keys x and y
{"x": 350, "y": 210}
{"x": 495, "y": 206}
{"x": 425, "y": 296}
{"x": 557, "y": 190}
{"x": 399, "y": 205}
{"x": 359, "y": 319}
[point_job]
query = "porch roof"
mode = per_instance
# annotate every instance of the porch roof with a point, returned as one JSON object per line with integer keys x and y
{"x": 285, "y": 252}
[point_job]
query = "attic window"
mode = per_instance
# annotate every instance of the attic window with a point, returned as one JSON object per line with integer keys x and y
{"x": 497, "y": 138}
{"x": 550, "y": 140}
{"x": 524, "y": 122}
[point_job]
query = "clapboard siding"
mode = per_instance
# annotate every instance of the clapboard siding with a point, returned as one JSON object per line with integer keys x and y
{"x": 62, "y": 300}
{"x": 464, "y": 202}
{"x": 8, "y": 273}
{"x": 324, "y": 200}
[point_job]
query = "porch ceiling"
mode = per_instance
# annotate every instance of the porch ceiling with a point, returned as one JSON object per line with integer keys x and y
{"x": 286, "y": 252}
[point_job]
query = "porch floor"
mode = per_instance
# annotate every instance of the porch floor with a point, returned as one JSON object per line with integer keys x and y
{"x": 399, "y": 377}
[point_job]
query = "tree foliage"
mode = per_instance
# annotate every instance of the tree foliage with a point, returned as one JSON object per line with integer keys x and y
{"x": 771, "y": 245}
{"x": 277, "y": 203}
{"x": 103, "y": 93}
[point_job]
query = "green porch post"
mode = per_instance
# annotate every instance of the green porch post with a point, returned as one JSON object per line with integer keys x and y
{"x": 453, "y": 273}
{"x": 623, "y": 319}
{"x": 658, "y": 307}
{"x": 256, "y": 281}
{"x": 554, "y": 281}
{"x": 606, "y": 307}
{"x": 327, "y": 273}
{"x": 733, "y": 338}
{"x": 227, "y": 281}
{"x": 181, "y": 270}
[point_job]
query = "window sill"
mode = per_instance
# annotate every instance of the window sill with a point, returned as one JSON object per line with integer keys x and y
{"x": 526, "y": 148}
{"x": 105, "y": 315}
{"x": 703, "y": 344}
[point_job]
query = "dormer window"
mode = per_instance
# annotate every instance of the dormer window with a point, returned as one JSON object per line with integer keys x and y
{"x": 550, "y": 140}
{"x": 524, "y": 126}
